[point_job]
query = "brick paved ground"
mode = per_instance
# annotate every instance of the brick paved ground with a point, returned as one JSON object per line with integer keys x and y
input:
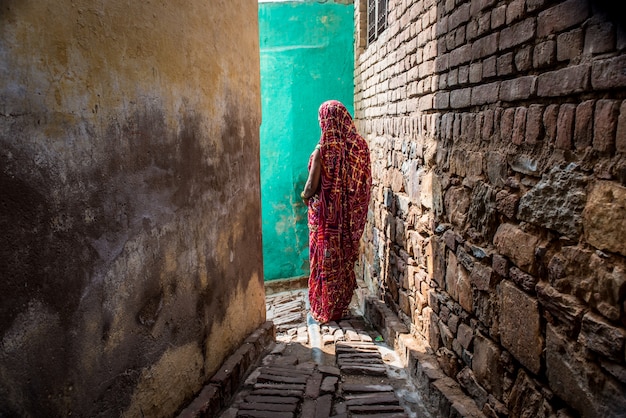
{"x": 340, "y": 369}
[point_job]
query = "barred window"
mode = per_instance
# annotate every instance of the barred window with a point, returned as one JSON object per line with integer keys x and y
{"x": 376, "y": 18}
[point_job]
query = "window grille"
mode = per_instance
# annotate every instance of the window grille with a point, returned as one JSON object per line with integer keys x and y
{"x": 371, "y": 21}
{"x": 382, "y": 16}
{"x": 376, "y": 18}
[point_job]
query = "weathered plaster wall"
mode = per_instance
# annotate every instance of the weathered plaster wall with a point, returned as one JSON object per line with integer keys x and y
{"x": 306, "y": 58}
{"x": 498, "y": 136}
{"x": 130, "y": 202}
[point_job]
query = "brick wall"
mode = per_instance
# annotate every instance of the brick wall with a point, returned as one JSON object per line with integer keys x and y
{"x": 497, "y": 228}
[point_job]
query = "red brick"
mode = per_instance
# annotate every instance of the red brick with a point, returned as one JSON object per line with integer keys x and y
{"x": 523, "y": 59}
{"x": 519, "y": 88}
{"x": 441, "y": 63}
{"x": 565, "y": 127}
{"x": 550, "y": 117}
{"x": 605, "y": 125}
{"x": 323, "y": 406}
{"x": 517, "y": 34}
{"x": 442, "y": 100}
{"x": 609, "y": 74}
{"x": 519, "y": 125}
{"x": 487, "y": 128}
{"x": 563, "y": 82}
{"x": 489, "y": 67}
{"x": 532, "y": 5}
{"x": 463, "y": 74}
{"x": 479, "y": 5}
{"x": 599, "y": 38}
{"x": 485, "y": 93}
{"x": 476, "y": 72}
{"x": 514, "y": 11}
{"x": 506, "y": 124}
{"x": 460, "y": 15}
{"x": 498, "y": 16}
{"x": 505, "y": 64}
{"x": 313, "y": 386}
{"x": 460, "y": 98}
{"x": 620, "y": 137}
{"x": 534, "y": 124}
{"x": 460, "y": 55}
{"x": 569, "y": 45}
{"x": 562, "y": 16}
{"x": 485, "y": 46}
{"x": 484, "y": 25}
{"x": 583, "y": 125}
{"x": 544, "y": 54}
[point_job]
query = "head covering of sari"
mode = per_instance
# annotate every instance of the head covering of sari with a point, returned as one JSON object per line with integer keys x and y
{"x": 337, "y": 224}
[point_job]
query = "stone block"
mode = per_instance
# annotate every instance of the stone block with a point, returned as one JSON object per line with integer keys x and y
{"x": 567, "y": 310}
{"x": 436, "y": 260}
{"x": 469, "y": 382}
{"x": 527, "y": 398}
{"x": 486, "y": 311}
{"x": 482, "y": 277}
{"x": 500, "y": 265}
{"x": 482, "y": 215}
{"x": 465, "y": 335}
{"x": 520, "y": 326}
{"x": 458, "y": 283}
{"x": 507, "y": 203}
{"x": 557, "y": 201}
{"x": 456, "y": 204}
{"x": 604, "y": 217}
{"x": 487, "y": 366}
{"x": 430, "y": 194}
{"x": 598, "y": 335}
{"x": 517, "y": 245}
{"x": 580, "y": 383}
{"x": 208, "y": 403}
{"x": 524, "y": 280}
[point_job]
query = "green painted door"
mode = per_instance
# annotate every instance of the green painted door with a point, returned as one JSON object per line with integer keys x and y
{"x": 306, "y": 58}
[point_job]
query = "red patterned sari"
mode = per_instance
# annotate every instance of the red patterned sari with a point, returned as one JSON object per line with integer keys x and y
{"x": 337, "y": 213}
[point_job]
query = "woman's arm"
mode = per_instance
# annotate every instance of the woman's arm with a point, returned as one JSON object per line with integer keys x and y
{"x": 315, "y": 172}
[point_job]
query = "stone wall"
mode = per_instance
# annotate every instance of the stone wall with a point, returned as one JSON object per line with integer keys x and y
{"x": 497, "y": 226}
{"x": 129, "y": 202}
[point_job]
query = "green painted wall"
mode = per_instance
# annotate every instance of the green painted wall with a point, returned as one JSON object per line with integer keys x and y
{"x": 306, "y": 58}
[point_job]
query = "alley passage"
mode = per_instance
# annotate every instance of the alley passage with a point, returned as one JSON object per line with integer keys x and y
{"x": 341, "y": 369}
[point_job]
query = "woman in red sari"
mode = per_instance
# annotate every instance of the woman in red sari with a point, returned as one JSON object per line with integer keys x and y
{"x": 337, "y": 193}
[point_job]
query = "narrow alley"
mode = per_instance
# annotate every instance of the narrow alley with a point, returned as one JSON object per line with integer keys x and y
{"x": 340, "y": 369}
